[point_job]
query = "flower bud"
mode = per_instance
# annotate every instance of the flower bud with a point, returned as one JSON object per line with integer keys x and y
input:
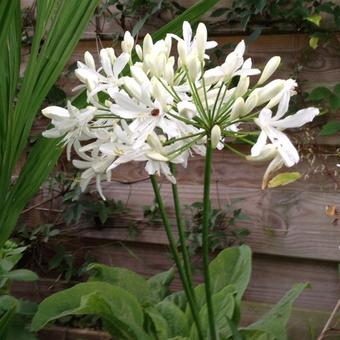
{"x": 139, "y": 52}
{"x": 89, "y": 61}
{"x": 186, "y": 109}
{"x": 182, "y": 52}
{"x": 270, "y": 90}
{"x": 127, "y": 43}
{"x": 156, "y": 156}
{"x": 154, "y": 141}
{"x": 215, "y": 136}
{"x": 201, "y": 40}
{"x": 159, "y": 92}
{"x": 169, "y": 73}
{"x": 193, "y": 67}
{"x": 242, "y": 87}
{"x": 147, "y": 44}
{"x": 250, "y": 103}
{"x": 238, "y": 109}
{"x": 132, "y": 87}
{"x": 106, "y": 62}
{"x": 269, "y": 69}
{"x": 111, "y": 53}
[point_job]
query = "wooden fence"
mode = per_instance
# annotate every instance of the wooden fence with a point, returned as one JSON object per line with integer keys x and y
{"x": 292, "y": 237}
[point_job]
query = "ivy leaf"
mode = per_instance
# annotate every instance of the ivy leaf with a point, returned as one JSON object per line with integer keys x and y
{"x": 334, "y": 101}
{"x": 330, "y": 128}
{"x": 315, "y": 19}
{"x": 319, "y": 93}
{"x": 218, "y": 12}
{"x": 313, "y": 42}
{"x": 284, "y": 179}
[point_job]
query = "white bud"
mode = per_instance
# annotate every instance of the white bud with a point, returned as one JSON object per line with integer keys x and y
{"x": 132, "y": 87}
{"x": 138, "y": 73}
{"x": 270, "y": 90}
{"x": 89, "y": 61}
{"x": 127, "y": 43}
{"x": 201, "y": 40}
{"x": 167, "y": 45}
{"x": 215, "y": 136}
{"x": 187, "y": 109}
{"x": 169, "y": 74}
{"x": 193, "y": 67}
{"x": 154, "y": 141}
{"x": 269, "y": 69}
{"x": 182, "y": 52}
{"x": 156, "y": 156}
{"x": 242, "y": 87}
{"x": 147, "y": 44}
{"x": 106, "y": 62}
{"x": 111, "y": 53}
{"x": 251, "y": 103}
{"x": 238, "y": 109}
{"x": 139, "y": 52}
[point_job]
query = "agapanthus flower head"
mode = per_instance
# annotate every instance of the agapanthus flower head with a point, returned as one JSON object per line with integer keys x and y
{"x": 160, "y": 108}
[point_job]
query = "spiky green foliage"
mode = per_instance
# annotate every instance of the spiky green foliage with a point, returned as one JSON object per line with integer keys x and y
{"x": 59, "y": 25}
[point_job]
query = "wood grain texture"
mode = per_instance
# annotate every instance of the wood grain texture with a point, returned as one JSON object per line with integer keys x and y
{"x": 283, "y": 222}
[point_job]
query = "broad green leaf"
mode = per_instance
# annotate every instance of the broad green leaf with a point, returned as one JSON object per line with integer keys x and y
{"x": 156, "y": 324}
{"x": 314, "y": 18}
{"x": 100, "y": 298}
{"x": 176, "y": 320}
{"x": 5, "y": 321}
{"x": 232, "y": 266}
{"x": 319, "y": 93}
{"x": 275, "y": 321}
{"x": 179, "y": 299}
{"x": 121, "y": 277}
{"x": 284, "y": 178}
{"x": 20, "y": 275}
{"x": 159, "y": 285}
{"x": 255, "y": 335}
{"x": 224, "y": 306}
{"x": 330, "y": 128}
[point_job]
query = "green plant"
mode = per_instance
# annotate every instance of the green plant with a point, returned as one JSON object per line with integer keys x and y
{"x": 15, "y": 314}
{"x": 131, "y": 307}
{"x": 223, "y": 226}
{"x": 59, "y": 25}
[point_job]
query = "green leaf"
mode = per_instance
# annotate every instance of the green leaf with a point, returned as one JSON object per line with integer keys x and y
{"x": 275, "y": 321}
{"x": 336, "y": 89}
{"x": 159, "y": 285}
{"x": 319, "y": 93}
{"x": 218, "y": 12}
{"x": 20, "y": 275}
{"x": 232, "y": 266}
{"x": 334, "y": 101}
{"x": 224, "y": 305}
{"x": 284, "y": 178}
{"x": 330, "y": 128}
{"x": 5, "y": 321}
{"x": 121, "y": 277}
{"x": 315, "y": 19}
{"x": 155, "y": 323}
{"x": 314, "y": 42}
{"x": 118, "y": 308}
{"x": 248, "y": 334}
{"x": 176, "y": 320}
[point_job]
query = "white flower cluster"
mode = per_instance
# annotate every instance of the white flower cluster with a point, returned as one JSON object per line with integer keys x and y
{"x": 148, "y": 105}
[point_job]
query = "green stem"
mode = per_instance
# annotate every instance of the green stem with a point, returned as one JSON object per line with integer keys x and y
{"x": 173, "y": 248}
{"x": 181, "y": 233}
{"x": 205, "y": 237}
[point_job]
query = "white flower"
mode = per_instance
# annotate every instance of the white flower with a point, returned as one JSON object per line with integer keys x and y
{"x": 127, "y": 43}
{"x": 271, "y": 128}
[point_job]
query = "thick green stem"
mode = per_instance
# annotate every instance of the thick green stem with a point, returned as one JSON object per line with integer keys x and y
{"x": 181, "y": 232}
{"x": 172, "y": 243}
{"x": 205, "y": 237}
